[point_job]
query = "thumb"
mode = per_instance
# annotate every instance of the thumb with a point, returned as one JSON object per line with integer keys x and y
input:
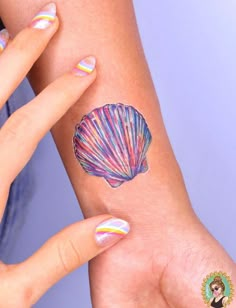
{"x": 65, "y": 252}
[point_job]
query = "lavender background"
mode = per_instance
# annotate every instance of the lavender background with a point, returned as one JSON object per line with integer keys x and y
{"x": 190, "y": 47}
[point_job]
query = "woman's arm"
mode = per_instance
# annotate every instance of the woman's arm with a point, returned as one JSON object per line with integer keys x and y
{"x": 159, "y": 257}
{"x": 108, "y": 30}
{"x": 22, "y": 284}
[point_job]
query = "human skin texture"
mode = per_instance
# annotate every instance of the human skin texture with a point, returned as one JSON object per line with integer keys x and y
{"x": 22, "y": 284}
{"x": 168, "y": 250}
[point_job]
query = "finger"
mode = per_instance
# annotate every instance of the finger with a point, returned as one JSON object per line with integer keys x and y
{"x": 21, "y": 53}
{"x": 4, "y": 193}
{"x": 25, "y": 128}
{"x": 65, "y": 252}
{"x": 4, "y": 39}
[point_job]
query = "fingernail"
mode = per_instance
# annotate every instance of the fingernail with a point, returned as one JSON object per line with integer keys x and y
{"x": 111, "y": 231}
{"x": 45, "y": 18}
{"x": 4, "y": 37}
{"x": 85, "y": 67}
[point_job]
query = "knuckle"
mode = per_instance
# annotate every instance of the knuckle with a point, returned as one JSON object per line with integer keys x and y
{"x": 26, "y": 296}
{"x": 24, "y": 116}
{"x": 15, "y": 296}
{"x": 70, "y": 256}
{"x": 24, "y": 42}
{"x": 18, "y": 124}
{"x": 18, "y": 44}
{"x": 10, "y": 131}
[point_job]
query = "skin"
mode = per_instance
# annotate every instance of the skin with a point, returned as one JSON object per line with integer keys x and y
{"x": 168, "y": 250}
{"x": 21, "y": 285}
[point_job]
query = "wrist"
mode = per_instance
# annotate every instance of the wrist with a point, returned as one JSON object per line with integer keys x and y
{"x": 146, "y": 196}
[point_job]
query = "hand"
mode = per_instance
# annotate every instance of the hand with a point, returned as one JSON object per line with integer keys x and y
{"x": 164, "y": 260}
{"x": 161, "y": 263}
{"x": 23, "y": 284}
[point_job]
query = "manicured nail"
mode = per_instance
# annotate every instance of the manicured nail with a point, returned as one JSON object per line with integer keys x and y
{"x": 85, "y": 67}
{"x": 45, "y": 18}
{"x": 4, "y": 37}
{"x": 111, "y": 231}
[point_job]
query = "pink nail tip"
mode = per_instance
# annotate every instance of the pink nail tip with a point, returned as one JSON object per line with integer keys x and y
{"x": 111, "y": 231}
{"x": 4, "y": 38}
{"x": 51, "y": 7}
{"x": 85, "y": 67}
{"x": 45, "y": 17}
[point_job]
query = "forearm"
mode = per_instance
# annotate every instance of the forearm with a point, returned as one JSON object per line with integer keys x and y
{"x": 166, "y": 240}
{"x": 107, "y": 30}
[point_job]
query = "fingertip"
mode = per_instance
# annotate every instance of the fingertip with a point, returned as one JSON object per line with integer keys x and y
{"x": 56, "y": 24}
{"x": 49, "y": 31}
{"x": 68, "y": 250}
{"x": 85, "y": 66}
{"x": 4, "y": 39}
{"x": 45, "y": 17}
{"x": 111, "y": 231}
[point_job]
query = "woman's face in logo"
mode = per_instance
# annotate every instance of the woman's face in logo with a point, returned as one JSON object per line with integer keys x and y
{"x": 216, "y": 290}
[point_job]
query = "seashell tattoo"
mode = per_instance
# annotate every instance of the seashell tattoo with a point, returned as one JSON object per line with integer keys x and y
{"x": 112, "y": 142}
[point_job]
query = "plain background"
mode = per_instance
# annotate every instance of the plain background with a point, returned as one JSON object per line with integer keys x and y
{"x": 190, "y": 47}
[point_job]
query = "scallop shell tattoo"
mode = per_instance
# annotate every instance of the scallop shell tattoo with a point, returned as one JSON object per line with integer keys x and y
{"x": 112, "y": 142}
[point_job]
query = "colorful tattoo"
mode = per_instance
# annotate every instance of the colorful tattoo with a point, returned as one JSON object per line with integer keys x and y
{"x": 110, "y": 230}
{"x": 112, "y": 142}
{"x": 45, "y": 17}
{"x": 4, "y": 37}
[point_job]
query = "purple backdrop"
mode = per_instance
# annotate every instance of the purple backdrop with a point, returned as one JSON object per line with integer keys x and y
{"x": 191, "y": 52}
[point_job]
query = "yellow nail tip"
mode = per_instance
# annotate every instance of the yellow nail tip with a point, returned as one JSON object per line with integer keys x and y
{"x": 45, "y": 17}
{"x": 85, "y": 66}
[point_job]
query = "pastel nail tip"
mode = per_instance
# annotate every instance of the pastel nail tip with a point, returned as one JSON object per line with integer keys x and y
{"x": 111, "y": 231}
{"x": 85, "y": 66}
{"x": 42, "y": 24}
{"x": 79, "y": 72}
{"x": 4, "y": 37}
{"x": 108, "y": 239}
{"x": 91, "y": 60}
{"x": 4, "y": 33}
{"x": 47, "y": 13}
{"x": 113, "y": 226}
{"x": 45, "y": 17}
{"x": 51, "y": 7}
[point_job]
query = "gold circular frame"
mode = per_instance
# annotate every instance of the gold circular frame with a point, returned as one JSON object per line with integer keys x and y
{"x": 227, "y": 277}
